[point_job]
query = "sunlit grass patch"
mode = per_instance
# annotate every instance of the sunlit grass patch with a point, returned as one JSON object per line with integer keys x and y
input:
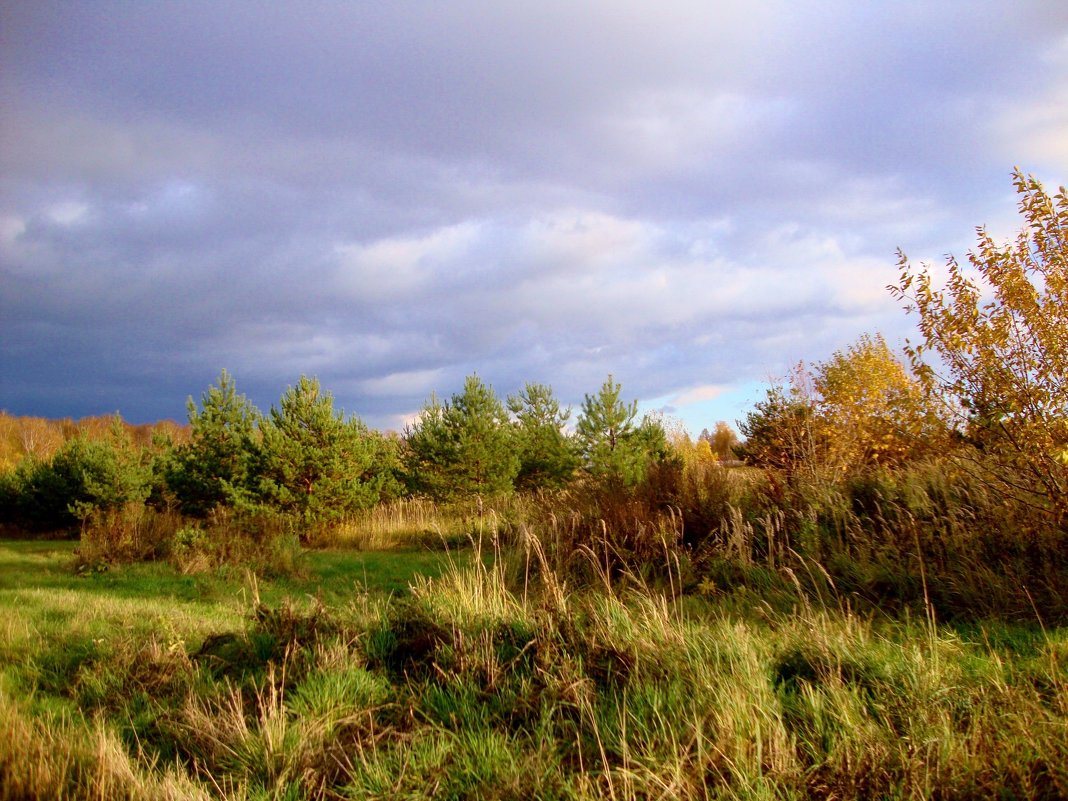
{"x": 404, "y": 523}
{"x": 340, "y": 573}
{"x": 480, "y": 682}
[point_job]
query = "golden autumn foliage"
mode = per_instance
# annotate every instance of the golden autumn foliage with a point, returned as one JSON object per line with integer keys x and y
{"x": 869, "y": 409}
{"x": 40, "y": 438}
{"x": 722, "y": 441}
{"x": 709, "y": 449}
{"x": 22, "y": 437}
{"x": 861, "y": 408}
{"x": 994, "y": 348}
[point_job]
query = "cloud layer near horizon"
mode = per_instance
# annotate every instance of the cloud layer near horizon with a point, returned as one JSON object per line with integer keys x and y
{"x": 393, "y": 197}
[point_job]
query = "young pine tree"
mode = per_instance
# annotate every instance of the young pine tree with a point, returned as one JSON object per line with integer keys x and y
{"x": 548, "y": 457}
{"x": 84, "y": 476}
{"x": 214, "y": 467}
{"x": 615, "y": 449}
{"x": 464, "y": 446}
{"x": 314, "y": 462}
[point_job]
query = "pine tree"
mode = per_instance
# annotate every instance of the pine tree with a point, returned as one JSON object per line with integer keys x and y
{"x": 313, "y": 461}
{"x": 547, "y": 455}
{"x": 213, "y": 468}
{"x": 463, "y": 446}
{"x": 614, "y": 448}
{"x": 86, "y": 475}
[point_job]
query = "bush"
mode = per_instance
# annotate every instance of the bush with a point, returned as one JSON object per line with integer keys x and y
{"x": 133, "y": 532}
{"x": 84, "y": 477}
{"x": 268, "y": 545}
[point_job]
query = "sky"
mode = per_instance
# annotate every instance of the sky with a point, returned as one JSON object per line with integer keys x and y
{"x": 689, "y": 196}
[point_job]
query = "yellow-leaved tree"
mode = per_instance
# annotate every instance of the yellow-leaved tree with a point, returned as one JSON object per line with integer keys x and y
{"x": 994, "y": 349}
{"x": 870, "y": 409}
{"x": 861, "y": 408}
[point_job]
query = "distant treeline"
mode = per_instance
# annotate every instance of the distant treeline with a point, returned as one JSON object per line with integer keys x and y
{"x": 309, "y": 461}
{"x": 40, "y": 437}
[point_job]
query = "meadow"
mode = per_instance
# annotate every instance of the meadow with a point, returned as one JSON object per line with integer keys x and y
{"x": 488, "y": 671}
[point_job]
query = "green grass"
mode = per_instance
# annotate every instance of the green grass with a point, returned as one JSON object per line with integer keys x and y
{"x": 415, "y": 674}
{"x": 340, "y": 573}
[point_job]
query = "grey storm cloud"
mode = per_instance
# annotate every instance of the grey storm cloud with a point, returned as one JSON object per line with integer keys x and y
{"x": 394, "y": 196}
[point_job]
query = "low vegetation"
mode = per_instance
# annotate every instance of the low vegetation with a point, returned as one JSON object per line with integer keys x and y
{"x": 476, "y": 685}
{"x": 866, "y": 596}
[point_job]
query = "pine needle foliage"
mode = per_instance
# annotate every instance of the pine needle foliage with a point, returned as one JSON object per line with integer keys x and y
{"x": 464, "y": 446}
{"x": 314, "y": 462}
{"x": 548, "y": 457}
{"x": 615, "y": 447}
{"x": 214, "y": 468}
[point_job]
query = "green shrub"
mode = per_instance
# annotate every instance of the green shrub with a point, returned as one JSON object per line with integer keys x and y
{"x": 84, "y": 477}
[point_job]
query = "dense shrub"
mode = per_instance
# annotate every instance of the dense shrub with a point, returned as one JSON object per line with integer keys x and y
{"x": 85, "y": 476}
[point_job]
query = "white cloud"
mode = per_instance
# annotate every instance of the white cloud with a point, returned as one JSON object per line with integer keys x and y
{"x": 408, "y": 382}
{"x": 11, "y": 228}
{"x": 1034, "y": 125}
{"x": 698, "y": 394}
{"x": 68, "y": 212}
{"x": 401, "y": 422}
{"x": 585, "y": 240}
{"x": 1038, "y": 131}
{"x": 678, "y": 127}
{"x": 396, "y": 267}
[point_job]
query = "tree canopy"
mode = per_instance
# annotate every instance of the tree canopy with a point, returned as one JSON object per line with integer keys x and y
{"x": 871, "y": 411}
{"x": 615, "y": 448}
{"x": 463, "y": 446}
{"x": 546, "y": 454}
{"x": 994, "y": 347}
{"x": 213, "y": 468}
{"x": 314, "y": 461}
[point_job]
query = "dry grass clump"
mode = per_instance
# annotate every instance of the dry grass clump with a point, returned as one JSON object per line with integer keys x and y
{"x": 50, "y": 754}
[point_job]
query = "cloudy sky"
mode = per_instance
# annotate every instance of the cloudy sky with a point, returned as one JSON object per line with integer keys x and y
{"x": 689, "y": 195}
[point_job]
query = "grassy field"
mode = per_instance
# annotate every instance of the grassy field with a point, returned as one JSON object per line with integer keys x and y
{"x": 417, "y": 674}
